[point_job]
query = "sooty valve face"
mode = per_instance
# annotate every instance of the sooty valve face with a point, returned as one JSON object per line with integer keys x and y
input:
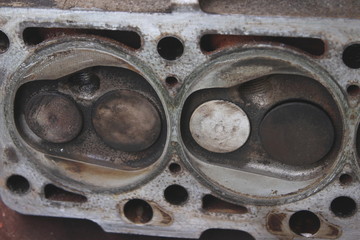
{"x": 297, "y": 133}
{"x": 126, "y": 120}
{"x": 219, "y": 126}
{"x": 53, "y": 117}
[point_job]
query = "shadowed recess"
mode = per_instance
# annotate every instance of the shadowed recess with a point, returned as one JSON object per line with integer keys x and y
{"x": 55, "y": 193}
{"x": 37, "y": 35}
{"x": 214, "y": 204}
{"x": 213, "y": 42}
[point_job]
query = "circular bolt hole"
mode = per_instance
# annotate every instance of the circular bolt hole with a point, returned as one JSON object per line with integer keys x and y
{"x": 170, "y": 48}
{"x": 138, "y": 211}
{"x": 345, "y": 179}
{"x": 174, "y": 168}
{"x": 18, "y": 184}
{"x": 4, "y": 42}
{"x": 343, "y": 206}
{"x": 351, "y": 56}
{"x": 304, "y": 223}
{"x": 353, "y": 90}
{"x": 171, "y": 81}
{"x": 176, "y": 194}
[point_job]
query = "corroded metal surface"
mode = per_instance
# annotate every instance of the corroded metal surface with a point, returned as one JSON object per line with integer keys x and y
{"x": 254, "y": 60}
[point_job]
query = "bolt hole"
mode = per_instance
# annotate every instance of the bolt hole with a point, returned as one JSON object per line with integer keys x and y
{"x": 170, "y": 48}
{"x": 18, "y": 184}
{"x": 4, "y": 42}
{"x": 176, "y": 194}
{"x": 353, "y": 90}
{"x": 171, "y": 81}
{"x": 304, "y": 223}
{"x": 351, "y": 56}
{"x": 343, "y": 206}
{"x": 138, "y": 211}
{"x": 345, "y": 179}
{"x": 175, "y": 168}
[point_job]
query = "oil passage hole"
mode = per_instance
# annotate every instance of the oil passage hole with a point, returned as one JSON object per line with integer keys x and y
{"x": 353, "y": 90}
{"x": 214, "y": 204}
{"x": 219, "y": 234}
{"x": 36, "y": 35}
{"x": 171, "y": 81}
{"x": 304, "y": 223}
{"x": 138, "y": 211}
{"x": 176, "y": 194}
{"x": 174, "y": 168}
{"x": 351, "y": 56}
{"x": 55, "y": 193}
{"x": 345, "y": 179}
{"x": 213, "y": 42}
{"x": 4, "y": 42}
{"x": 170, "y": 48}
{"x": 18, "y": 184}
{"x": 343, "y": 206}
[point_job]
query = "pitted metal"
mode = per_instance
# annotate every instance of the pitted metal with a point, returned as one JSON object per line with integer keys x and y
{"x": 268, "y": 191}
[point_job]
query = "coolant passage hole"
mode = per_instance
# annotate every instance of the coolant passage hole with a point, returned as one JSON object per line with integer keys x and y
{"x": 170, "y": 48}
{"x": 345, "y": 179}
{"x": 343, "y": 206}
{"x": 176, "y": 194}
{"x": 171, "y": 81}
{"x": 353, "y": 90}
{"x": 18, "y": 184}
{"x": 351, "y": 56}
{"x": 138, "y": 211}
{"x": 304, "y": 223}
{"x": 174, "y": 168}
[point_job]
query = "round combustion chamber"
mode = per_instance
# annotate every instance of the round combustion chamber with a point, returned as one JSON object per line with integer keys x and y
{"x": 260, "y": 125}
{"x": 98, "y": 123}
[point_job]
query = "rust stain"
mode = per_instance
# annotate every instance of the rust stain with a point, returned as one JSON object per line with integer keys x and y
{"x": 10, "y": 154}
{"x": 275, "y": 222}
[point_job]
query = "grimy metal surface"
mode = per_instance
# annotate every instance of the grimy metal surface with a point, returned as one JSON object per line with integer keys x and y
{"x": 175, "y": 57}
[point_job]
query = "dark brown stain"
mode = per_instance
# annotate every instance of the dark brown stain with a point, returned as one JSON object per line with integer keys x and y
{"x": 275, "y": 221}
{"x": 215, "y": 42}
{"x": 10, "y": 155}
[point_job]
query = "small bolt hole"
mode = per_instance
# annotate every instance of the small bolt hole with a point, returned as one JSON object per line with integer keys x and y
{"x": 345, "y": 179}
{"x": 171, "y": 81}
{"x": 170, "y": 48}
{"x": 176, "y": 194}
{"x": 174, "y": 168}
{"x": 343, "y": 206}
{"x": 353, "y": 90}
{"x": 351, "y": 56}
{"x": 304, "y": 223}
{"x": 18, "y": 184}
{"x": 138, "y": 211}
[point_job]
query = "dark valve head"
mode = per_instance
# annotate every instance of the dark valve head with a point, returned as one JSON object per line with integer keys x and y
{"x": 53, "y": 117}
{"x": 126, "y": 120}
{"x": 297, "y": 133}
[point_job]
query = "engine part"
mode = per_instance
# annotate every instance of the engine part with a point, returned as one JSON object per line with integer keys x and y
{"x": 183, "y": 118}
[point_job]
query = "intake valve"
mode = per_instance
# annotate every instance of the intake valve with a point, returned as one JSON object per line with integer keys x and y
{"x": 53, "y": 117}
{"x": 126, "y": 120}
{"x": 219, "y": 126}
{"x": 297, "y": 133}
